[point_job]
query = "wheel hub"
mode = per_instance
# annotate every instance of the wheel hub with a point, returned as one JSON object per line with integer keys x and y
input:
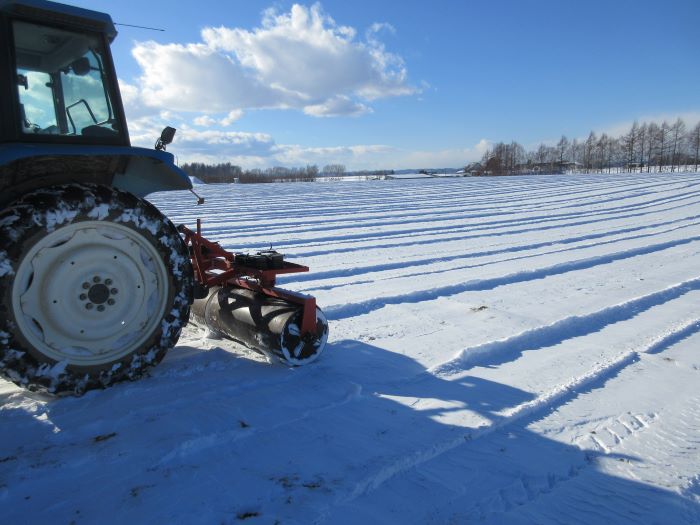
{"x": 98, "y": 293}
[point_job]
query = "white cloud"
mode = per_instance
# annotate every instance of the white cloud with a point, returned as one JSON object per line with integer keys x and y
{"x": 377, "y": 156}
{"x": 337, "y": 106}
{"x": 133, "y": 104}
{"x": 299, "y": 59}
{"x": 225, "y": 144}
{"x": 194, "y": 78}
{"x": 378, "y": 27}
{"x": 353, "y": 157}
{"x": 260, "y": 150}
{"x": 232, "y": 117}
{"x": 205, "y": 121}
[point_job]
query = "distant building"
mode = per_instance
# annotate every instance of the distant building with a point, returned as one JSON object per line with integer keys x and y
{"x": 474, "y": 169}
{"x": 569, "y": 166}
{"x": 547, "y": 167}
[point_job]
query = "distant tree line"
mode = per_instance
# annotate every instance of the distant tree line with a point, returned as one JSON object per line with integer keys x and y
{"x": 279, "y": 174}
{"x": 374, "y": 173}
{"x": 228, "y": 173}
{"x": 649, "y": 147}
{"x": 213, "y": 173}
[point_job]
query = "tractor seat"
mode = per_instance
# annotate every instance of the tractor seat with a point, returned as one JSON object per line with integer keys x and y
{"x": 98, "y": 131}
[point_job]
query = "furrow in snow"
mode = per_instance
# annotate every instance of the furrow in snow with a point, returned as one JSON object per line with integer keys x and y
{"x": 364, "y": 307}
{"x": 504, "y": 350}
{"x": 411, "y": 264}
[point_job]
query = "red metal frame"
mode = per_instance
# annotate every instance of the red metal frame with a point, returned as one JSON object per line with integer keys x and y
{"x": 214, "y": 266}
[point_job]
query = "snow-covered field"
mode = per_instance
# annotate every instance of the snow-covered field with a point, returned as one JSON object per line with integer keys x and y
{"x": 502, "y": 350}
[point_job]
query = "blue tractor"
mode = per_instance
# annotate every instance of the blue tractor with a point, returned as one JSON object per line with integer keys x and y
{"x": 95, "y": 283}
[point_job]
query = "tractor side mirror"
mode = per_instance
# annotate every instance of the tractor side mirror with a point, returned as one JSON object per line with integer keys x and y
{"x": 23, "y": 81}
{"x": 81, "y": 66}
{"x": 166, "y": 137}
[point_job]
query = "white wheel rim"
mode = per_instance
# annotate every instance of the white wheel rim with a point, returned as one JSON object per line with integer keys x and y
{"x": 90, "y": 293}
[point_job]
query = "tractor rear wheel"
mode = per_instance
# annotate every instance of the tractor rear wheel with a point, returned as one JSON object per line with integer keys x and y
{"x": 95, "y": 287}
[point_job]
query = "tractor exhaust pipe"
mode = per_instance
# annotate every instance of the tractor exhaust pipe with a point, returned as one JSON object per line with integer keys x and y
{"x": 269, "y": 325}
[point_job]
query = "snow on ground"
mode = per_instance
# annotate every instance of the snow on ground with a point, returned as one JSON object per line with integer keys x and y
{"x": 502, "y": 350}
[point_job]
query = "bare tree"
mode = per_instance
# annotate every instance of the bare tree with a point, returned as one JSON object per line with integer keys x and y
{"x": 613, "y": 153}
{"x": 694, "y": 142}
{"x": 653, "y": 134}
{"x": 642, "y": 141}
{"x": 677, "y": 135}
{"x": 588, "y": 151}
{"x": 575, "y": 151}
{"x": 333, "y": 170}
{"x": 663, "y": 143}
{"x": 604, "y": 153}
{"x": 504, "y": 159}
{"x": 562, "y": 147}
{"x": 515, "y": 155}
{"x": 629, "y": 142}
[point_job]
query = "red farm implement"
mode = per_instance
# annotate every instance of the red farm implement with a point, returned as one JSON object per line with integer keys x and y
{"x": 236, "y": 296}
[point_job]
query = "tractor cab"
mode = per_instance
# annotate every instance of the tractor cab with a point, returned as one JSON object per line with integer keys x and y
{"x": 61, "y": 114}
{"x": 64, "y": 88}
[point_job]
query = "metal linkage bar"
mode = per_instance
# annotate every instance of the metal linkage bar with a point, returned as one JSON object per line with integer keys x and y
{"x": 215, "y": 266}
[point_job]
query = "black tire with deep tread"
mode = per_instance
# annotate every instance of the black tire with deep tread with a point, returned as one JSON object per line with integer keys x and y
{"x": 25, "y": 222}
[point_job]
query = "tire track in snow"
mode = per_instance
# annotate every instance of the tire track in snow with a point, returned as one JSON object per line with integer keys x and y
{"x": 674, "y": 445}
{"x": 528, "y": 488}
{"x": 503, "y": 350}
{"x": 532, "y": 410}
{"x": 194, "y": 445}
{"x": 605, "y": 436}
{"x": 344, "y": 311}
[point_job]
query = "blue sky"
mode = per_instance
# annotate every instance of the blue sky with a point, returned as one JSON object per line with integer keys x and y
{"x": 398, "y": 84}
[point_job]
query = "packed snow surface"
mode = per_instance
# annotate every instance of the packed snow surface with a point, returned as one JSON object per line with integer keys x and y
{"x": 502, "y": 350}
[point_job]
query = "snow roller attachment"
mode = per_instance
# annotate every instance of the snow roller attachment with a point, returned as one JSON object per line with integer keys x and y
{"x": 236, "y": 297}
{"x": 269, "y": 325}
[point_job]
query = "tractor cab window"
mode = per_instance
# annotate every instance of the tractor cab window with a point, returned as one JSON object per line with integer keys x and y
{"x": 62, "y": 83}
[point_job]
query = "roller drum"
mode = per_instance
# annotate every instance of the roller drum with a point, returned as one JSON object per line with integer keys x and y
{"x": 266, "y": 324}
